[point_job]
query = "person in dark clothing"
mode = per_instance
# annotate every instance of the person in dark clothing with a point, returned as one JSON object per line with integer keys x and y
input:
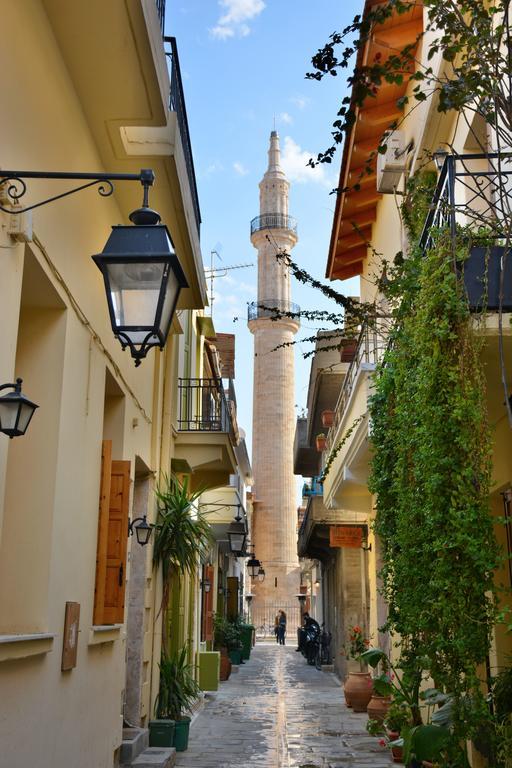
{"x": 308, "y": 635}
{"x": 281, "y": 628}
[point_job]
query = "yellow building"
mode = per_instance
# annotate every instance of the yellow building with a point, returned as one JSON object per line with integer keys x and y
{"x": 89, "y": 90}
{"x": 368, "y": 213}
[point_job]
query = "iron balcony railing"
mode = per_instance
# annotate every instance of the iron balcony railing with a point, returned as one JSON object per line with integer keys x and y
{"x": 272, "y": 308}
{"x": 273, "y": 221}
{"x": 473, "y": 189}
{"x": 177, "y": 104}
{"x": 160, "y": 9}
{"x": 204, "y": 406}
{"x": 371, "y": 345}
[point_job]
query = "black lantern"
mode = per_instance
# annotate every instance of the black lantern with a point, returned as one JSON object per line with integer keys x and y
{"x": 301, "y": 598}
{"x": 249, "y": 599}
{"x": 206, "y": 585}
{"x": 253, "y": 566}
{"x": 237, "y": 534}
{"x": 142, "y": 531}
{"x": 261, "y": 574}
{"x": 143, "y": 279}
{"x": 16, "y": 410}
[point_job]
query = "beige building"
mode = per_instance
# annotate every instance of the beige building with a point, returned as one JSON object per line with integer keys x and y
{"x": 274, "y": 526}
{"x": 87, "y": 89}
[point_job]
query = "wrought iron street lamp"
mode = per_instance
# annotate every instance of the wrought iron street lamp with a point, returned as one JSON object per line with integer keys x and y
{"x": 16, "y": 410}
{"x": 206, "y": 585}
{"x": 237, "y": 534}
{"x": 142, "y": 275}
{"x": 301, "y": 598}
{"x": 248, "y": 599}
{"x": 253, "y": 566}
{"x": 143, "y": 530}
{"x": 261, "y": 574}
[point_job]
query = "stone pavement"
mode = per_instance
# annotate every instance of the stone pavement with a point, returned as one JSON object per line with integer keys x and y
{"x": 277, "y": 712}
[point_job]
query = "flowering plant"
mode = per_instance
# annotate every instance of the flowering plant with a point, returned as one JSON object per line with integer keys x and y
{"x": 358, "y": 643}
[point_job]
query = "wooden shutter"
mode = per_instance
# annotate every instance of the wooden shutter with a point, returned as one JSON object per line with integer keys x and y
{"x": 232, "y": 607}
{"x": 207, "y": 628}
{"x": 112, "y": 539}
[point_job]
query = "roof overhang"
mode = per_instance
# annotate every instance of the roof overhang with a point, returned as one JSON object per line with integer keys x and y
{"x": 356, "y": 209}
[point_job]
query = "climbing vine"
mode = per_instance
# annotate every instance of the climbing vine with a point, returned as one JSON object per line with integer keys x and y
{"x": 431, "y": 476}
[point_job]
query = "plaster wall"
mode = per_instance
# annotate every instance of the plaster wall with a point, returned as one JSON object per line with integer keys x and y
{"x": 49, "y": 479}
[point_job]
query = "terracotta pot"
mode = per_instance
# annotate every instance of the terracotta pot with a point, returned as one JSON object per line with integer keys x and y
{"x": 327, "y": 418}
{"x": 225, "y": 665}
{"x": 320, "y": 443}
{"x": 397, "y": 752}
{"x": 378, "y": 707}
{"x": 358, "y": 686}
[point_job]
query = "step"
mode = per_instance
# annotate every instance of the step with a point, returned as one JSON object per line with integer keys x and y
{"x": 135, "y": 741}
{"x": 156, "y": 757}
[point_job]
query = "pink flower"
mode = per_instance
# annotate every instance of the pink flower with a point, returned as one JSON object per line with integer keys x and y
{"x": 382, "y": 743}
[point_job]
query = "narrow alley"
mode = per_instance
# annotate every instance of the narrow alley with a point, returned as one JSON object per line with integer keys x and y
{"x": 277, "y": 712}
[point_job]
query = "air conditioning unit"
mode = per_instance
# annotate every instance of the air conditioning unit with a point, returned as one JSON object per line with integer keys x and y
{"x": 391, "y": 164}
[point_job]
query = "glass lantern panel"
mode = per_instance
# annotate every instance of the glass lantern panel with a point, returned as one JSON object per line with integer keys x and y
{"x": 26, "y": 413}
{"x": 236, "y": 541}
{"x": 171, "y": 293}
{"x": 134, "y": 290}
{"x": 8, "y": 414}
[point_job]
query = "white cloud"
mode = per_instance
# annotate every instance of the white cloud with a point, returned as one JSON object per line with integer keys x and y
{"x": 240, "y": 168}
{"x": 294, "y": 160}
{"x": 284, "y": 117}
{"x": 300, "y": 101}
{"x": 234, "y": 21}
{"x": 214, "y": 167}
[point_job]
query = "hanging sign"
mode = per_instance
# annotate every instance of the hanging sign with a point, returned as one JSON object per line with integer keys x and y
{"x": 345, "y": 536}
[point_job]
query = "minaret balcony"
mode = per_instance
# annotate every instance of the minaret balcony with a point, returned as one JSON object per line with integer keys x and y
{"x": 276, "y": 309}
{"x": 274, "y": 221}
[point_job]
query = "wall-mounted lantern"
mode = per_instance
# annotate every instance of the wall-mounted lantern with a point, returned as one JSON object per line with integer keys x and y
{"x": 301, "y": 598}
{"x": 261, "y": 574}
{"x": 237, "y": 534}
{"x": 143, "y": 530}
{"x": 206, "y": 585}
{"x": 253, "y": 566}
{"x": 16, "y": 410}
{"x": 142, "y": 275}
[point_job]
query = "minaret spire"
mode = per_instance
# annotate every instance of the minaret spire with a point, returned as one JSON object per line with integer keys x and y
{"x": 274, "y": 156}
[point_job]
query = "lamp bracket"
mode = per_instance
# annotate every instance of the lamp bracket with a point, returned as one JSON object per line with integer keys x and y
{"x": 16, "y": 386}
{"x": 16, "y": 187}
{"x": 131, "y": 524}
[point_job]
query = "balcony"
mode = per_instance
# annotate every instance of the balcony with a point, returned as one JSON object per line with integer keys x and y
{"x": 474, "y": 191}
{"x": 177, "y": 104}
{"x": 160, "y": 9}
{"x": 313, "y": 488}
{"x": 207, "y": 430}
{"x": 274, "y": 221}
{"x": 273, "y": 308}
{"x": 314, "y": 535}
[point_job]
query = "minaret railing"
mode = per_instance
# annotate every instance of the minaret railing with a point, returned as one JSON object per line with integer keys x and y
{"x": 273, "y": 221}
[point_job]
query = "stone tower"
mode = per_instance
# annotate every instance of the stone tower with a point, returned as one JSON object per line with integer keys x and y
{"x": 275, "y": 515}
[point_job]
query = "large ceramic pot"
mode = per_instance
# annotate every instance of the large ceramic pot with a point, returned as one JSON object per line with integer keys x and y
{"x": 358, "y": 690}
{"x": 378, "y": 706}
{"x": 225, "y": 665}
{"x": 327, "y": 418}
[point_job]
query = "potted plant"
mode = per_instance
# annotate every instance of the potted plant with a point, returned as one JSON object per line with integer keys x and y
{"x": 182, "y": 536}
{"x": 348, "y": 349}
{"x": 358, "y": 685}
{"x": 178, "y": 690}
{"x": 221, "y": 638}
{"x": 234, "y": 641}
{"x": 321, "y": 441}
{"x": 398, "y": 717}
{"x": 327, "y": 418}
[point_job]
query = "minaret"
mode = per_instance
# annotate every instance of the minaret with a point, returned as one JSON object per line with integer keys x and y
{"x": 275, "y": 516}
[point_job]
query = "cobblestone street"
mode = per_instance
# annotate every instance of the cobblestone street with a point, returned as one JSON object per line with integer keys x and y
{"x": 277, "y": 712}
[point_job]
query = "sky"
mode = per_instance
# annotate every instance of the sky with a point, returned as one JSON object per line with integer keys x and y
{"x": 243, "y": 64}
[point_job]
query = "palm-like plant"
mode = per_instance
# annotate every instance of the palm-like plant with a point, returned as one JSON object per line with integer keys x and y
{"x": 178, "y": 689}
{"x": 182, "y": 532}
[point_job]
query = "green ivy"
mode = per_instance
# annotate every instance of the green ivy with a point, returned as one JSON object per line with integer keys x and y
{"x": 431, "y": 476}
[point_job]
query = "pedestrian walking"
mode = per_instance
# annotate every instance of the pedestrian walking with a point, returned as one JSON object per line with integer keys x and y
{"x": 276, "y": 625}
{"x": 281, "y": 632}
